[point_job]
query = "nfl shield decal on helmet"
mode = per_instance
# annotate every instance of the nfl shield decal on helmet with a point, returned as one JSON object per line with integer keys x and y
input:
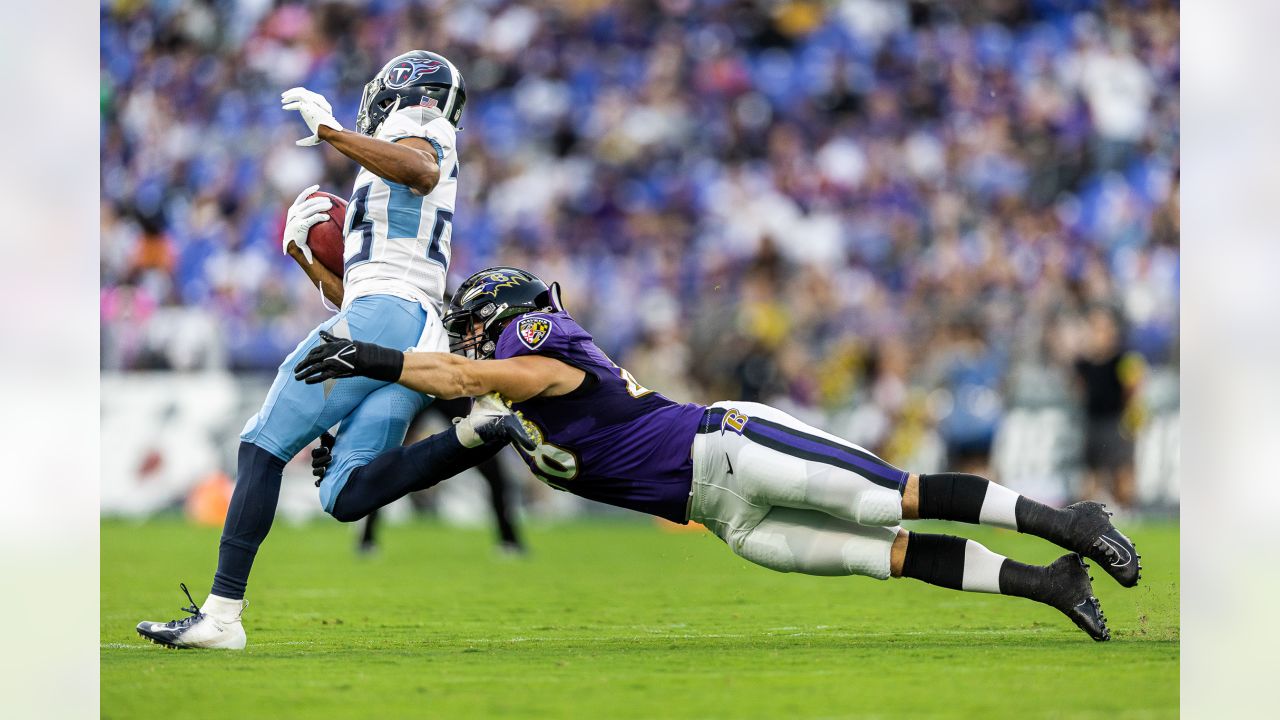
{"x": 533, "y": 329}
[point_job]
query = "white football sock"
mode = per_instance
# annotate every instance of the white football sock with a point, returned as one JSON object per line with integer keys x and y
{"x": 223, "y": 609}
{"x": 981, "y": 568}
{"x": 998, "y": 507}
{"x": 466, "y": 434}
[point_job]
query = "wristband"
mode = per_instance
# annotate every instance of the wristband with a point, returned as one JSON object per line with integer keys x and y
{"x": 380, "y": 363}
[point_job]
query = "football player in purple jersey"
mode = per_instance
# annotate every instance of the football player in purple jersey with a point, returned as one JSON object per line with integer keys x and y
{"x": 780, "y": 493}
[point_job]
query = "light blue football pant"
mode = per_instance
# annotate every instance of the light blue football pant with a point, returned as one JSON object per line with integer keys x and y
{"x": 375, "y": 415}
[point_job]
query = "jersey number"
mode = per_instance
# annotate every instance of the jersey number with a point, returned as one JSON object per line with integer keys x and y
{"x": 552, "y": 461}
{"x": 357, "y": 219}
{"x": 444, "y": 218}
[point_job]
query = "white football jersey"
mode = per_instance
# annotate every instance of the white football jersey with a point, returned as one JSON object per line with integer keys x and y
{"x": 397, "y": 242}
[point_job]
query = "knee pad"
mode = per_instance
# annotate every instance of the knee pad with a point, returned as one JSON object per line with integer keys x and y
{"x": 878, "y": 506}
{"x": 869, "y": 554}
{"x": 838, "y": 547}
{"x": 767, "y": 549}
{"x": 814, "y": 544}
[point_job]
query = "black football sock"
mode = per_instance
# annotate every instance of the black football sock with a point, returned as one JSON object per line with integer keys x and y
{"x": 400, "y": 471}
{"x": 1028, "y": 581}
{"x": 960, "y": 564}
{"x": 1043, "y": 521}
{"x": 249, "y": 517}
{"x": 974, "y": 499}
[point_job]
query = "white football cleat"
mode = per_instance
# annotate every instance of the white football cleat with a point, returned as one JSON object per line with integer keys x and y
{"x": 217, "y": 626}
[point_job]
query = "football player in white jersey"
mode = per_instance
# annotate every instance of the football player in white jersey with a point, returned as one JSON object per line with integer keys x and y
{"x": 398, "y": 229}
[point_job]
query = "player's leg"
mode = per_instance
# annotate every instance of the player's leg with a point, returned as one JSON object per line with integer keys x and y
{"x": 961, "y": 564}
{"x": 370, "y": 470}
{"x": 815, "y": 543}
{"x": 1084, "y": 527}
{"x": 781, "y": 461}
{"x": 368, "y": 542}
{"x": 293, "y": 415}
{"x": 378, "y": 423}
{"x": 729, "y": 501}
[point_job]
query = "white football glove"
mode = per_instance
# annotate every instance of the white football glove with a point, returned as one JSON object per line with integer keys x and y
{"x": 315, "y": 110}
{"x": 303, "y": 214}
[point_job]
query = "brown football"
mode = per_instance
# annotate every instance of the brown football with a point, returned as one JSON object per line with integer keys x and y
{"x": 325, "y": 238}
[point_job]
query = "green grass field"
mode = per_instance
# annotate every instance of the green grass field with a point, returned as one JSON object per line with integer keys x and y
{"x": 616, "y": 620}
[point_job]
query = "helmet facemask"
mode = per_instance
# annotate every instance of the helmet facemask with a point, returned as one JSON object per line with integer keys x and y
{"x": 474, "y": 334}
{"x": 364, "y": 123}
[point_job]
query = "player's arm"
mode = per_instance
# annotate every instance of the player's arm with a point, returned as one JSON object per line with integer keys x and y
{"x": 440, "y": 374}
{"x": 305, "y": 212}
{"x": 516, "y": 379}
{"x": 409, "y": 161}
{"x": 330, "y": 285}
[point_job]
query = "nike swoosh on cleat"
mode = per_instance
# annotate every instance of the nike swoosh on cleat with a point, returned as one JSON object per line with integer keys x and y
{"x": 1120, "y": 552}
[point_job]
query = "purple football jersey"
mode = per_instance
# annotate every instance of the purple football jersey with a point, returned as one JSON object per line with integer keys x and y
{"x": 610, "y": 440}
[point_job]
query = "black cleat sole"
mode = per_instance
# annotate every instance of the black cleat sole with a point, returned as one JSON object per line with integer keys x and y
{"x": 158, "y": 641}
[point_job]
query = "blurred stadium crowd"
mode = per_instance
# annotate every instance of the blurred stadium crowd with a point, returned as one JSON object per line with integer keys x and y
{"x": 900, "y": 220}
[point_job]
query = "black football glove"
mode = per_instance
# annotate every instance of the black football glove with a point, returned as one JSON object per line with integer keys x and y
{"x": 322, "y": 456}
{"x": 337, "y": 357}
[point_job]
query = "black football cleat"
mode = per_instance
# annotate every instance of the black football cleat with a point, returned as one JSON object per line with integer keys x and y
{"x": 505, "y": 429}
{"x": 493, "y": 421}
{"x": 1091, "y": 534}
{"x": 1068, "y": 589}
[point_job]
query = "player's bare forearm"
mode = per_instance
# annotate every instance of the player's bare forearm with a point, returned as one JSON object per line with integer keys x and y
{"x": 411, "y": 162}
{"x": 436, "y": 373}
{"x": 516, "y": 379}
{"x": 330, "y": 285}
{"x": 449, "y": 376}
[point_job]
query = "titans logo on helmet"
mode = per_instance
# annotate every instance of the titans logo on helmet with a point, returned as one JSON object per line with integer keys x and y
{"x": 405, "y": 72}
{"x": 490, "y": 284}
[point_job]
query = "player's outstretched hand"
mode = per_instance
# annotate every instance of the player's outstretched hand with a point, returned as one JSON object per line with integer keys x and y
{"x": 337, "y": 357}
{"x": 315, "y": 111}
{"x": 303, "y": 214}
